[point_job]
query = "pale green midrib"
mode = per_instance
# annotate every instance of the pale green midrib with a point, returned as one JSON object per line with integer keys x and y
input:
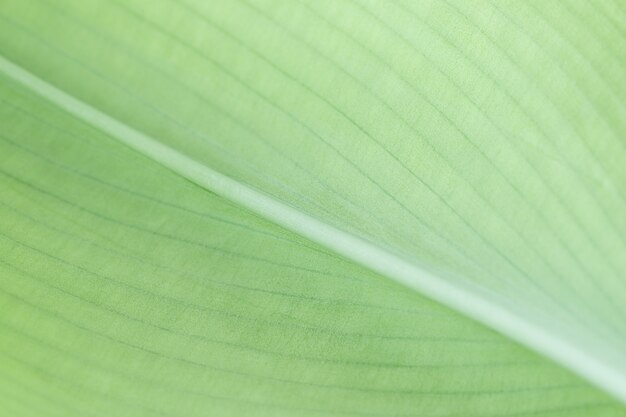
{"x": 469, "y": 300}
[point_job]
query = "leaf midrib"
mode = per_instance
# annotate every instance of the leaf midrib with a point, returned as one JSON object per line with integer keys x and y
{"x": 467, "y": 299}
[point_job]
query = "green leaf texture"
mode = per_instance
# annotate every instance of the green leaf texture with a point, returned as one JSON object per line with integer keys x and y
{"x": 283, "y": 208}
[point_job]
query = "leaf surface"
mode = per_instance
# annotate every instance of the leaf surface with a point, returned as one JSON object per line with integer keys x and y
{"x": 471, "y": 151}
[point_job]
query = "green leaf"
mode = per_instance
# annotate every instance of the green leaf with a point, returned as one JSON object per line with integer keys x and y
{"x": 207, "y": 208}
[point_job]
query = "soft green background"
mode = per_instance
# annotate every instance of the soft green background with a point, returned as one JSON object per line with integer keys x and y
{"x": 485, "y": 140}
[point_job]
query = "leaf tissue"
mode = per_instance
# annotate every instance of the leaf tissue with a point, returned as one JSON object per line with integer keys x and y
{"x": 312, "y": 208}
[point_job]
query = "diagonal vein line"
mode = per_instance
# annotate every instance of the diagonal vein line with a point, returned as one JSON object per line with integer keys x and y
{"x": 468, "y": 299}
